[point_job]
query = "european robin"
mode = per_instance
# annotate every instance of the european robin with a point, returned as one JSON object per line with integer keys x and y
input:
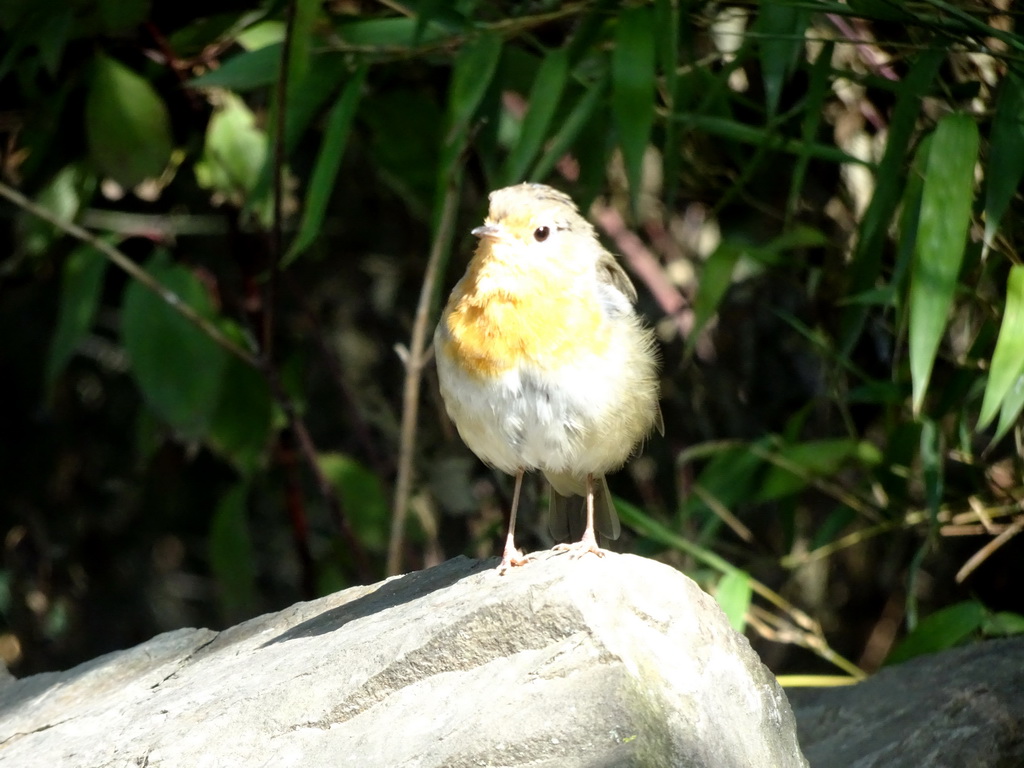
{"x": 543, "y": 361}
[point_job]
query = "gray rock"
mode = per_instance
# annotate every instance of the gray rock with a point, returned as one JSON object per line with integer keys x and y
{"x": 617, "y": 661}
{"x": 957, "y": 709}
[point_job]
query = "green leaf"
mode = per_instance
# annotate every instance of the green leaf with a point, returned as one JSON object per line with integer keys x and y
{"x": 328, "y": 162}
{"x": 306, "y": 13}
{"x": 362, "y": 496}
{"x": 544, "y": 99}
{"x": 233, "y": 152}
{"x": 81, "y": 286}
{"x": 1003, "y": 624}
{"x": 1008, "y": 358}
{"x": 232, "y": 560}
{"x": 403, "y": 151}
{"x": 1013, "y": 403}
{"x": 1006, "y": 152}
{"x": 178, "y": 368}
{"x": 781, "y": 27}
{"x": 394, "y": 32}
{"x": 942, "y": 232}
{"x": 62, "y": 196}
{"x": 572, "y": 126}
{"x": 126, "y": 124}
{"x": 733, "y": 593}
{"x": 471, "y": 77}
{"x": 244, "y": 72}
{"x": 943, "y": 629}
{"x": 809, "y": 460}
{"x": 241, "y": 425}
{"x": 715, "y": 279}
{"x": 866, "y": 265}
{"x": 633, "y": 72}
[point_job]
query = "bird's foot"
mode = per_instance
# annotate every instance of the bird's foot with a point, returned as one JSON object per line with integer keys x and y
{"x": 585, "y": 546}
{"x": 512, "y": 558}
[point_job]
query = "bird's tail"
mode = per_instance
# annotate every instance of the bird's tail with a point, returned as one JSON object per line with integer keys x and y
{"x": 567, "y": 513}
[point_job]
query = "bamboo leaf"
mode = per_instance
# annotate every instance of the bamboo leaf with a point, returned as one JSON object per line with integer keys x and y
{"x": 715, "y": 279}
{"x": 781, "y": 26}
{"x": 945, "y": 216}
{"x": 471, "y": 77}
{"x": 328, "y": 162}
{"x": 889, "y": 180}
{"x": 1013, "y": 404}
{"x": 943, "y": 629}
{"x": 571, "y": 128}
{"x": 633, "y": 70}
{"x": 545, "y": 95}
{"x": 1008, "y": 357}
{"x": 1006, "y": 153}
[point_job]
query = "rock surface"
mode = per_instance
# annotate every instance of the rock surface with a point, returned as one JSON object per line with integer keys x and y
{"x": 957, "y": 709}
{"x": 617, "y": 661}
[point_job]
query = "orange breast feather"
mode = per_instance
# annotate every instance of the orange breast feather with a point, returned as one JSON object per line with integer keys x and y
{"x": 505, "y": 315}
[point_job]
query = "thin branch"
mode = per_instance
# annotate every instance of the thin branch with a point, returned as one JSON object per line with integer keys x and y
{"x": 135, "y": 271}
{"x": 416, "y": 362}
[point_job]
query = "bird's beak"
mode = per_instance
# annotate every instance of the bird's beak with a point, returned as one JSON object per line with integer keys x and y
{"x": 487, "y": 230}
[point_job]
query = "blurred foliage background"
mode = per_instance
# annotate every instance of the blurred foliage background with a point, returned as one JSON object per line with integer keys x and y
{"x": 225, "y": 239}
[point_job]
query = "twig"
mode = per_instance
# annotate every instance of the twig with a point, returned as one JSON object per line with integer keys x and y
{"x": 982, "y": 554}
{"x": 135, "y": 271}
{"x": 417, "y": 360}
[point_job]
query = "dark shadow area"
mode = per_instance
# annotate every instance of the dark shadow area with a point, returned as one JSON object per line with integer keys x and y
{"x": 398, "y": 591}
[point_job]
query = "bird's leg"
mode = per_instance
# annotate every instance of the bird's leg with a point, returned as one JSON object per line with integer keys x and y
{"x": 512, "y": 556}
{"x": 588, "y": 543}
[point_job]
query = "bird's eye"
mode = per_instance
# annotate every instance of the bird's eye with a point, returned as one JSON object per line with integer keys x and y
{"x": 540, "y": 234}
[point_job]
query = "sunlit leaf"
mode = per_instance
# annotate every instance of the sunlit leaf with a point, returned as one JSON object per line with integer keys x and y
{"x": 866, "y": 266}
{"x": 471, "y": 77}
{"x": 944, "y": 629}
{"x": 544, "y": 98}
{"x": 1003, "y": 624}
{"x": 1008, "y": 357}
{"x": 572, "y": 126}
{"x": 1013, "y": 404}
{"x": 62, "y": 196}
{"x": 633, "y": 71}
{"x": 733, "y": 594}
{"x": 126, "y": 123}
{"x": 178, "y": 368}
{"x": 362, "y": 496}
{"x": 233, "y": 152}
{"x": 80, "y": 289}
{"x": 946, "y": 202}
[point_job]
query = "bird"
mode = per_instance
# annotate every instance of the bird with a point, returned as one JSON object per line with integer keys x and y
{"x": 544, "y": 364}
